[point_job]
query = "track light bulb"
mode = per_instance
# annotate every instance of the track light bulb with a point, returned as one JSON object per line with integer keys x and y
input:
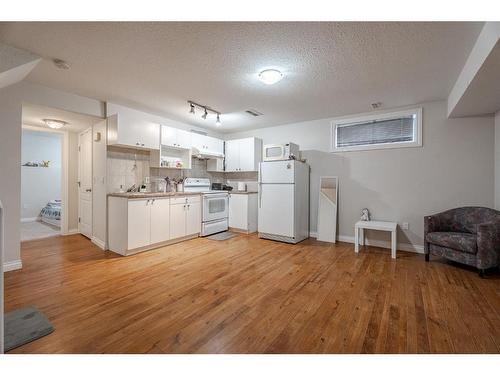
{"x": 204, "y": 116}
{"x": 218, "y": 123}
{"x": 191, "y": 110}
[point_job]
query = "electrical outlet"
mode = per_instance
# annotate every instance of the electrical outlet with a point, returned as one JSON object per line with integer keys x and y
{"x": 405, "y": 226}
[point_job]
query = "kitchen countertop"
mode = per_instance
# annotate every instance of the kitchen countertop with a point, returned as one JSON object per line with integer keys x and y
{"x": 151, "y": 195}
{"x": 243, "y": 192}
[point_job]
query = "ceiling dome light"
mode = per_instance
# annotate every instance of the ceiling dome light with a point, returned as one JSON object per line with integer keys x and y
{"x": 54, "y": 124}
{"x": 270, "y": 76}
{"x": 218, "y": 123}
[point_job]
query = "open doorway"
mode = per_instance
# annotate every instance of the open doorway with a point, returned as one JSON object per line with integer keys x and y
{"x": 51, "y": 172}
{"x": 41, "y": 183}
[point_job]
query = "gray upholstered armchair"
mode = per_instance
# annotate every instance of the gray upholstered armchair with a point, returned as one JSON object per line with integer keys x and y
{"x": 468, "y": 235}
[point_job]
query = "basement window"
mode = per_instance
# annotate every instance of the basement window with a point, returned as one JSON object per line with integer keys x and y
{"x": 388, "y": 130}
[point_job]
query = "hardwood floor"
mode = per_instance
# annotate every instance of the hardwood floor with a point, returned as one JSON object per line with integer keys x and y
{"x": 246, "y": 295}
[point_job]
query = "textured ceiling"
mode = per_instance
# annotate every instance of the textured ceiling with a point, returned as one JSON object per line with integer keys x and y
{"x": 35, "y": 114}
{"x": 331, "y": 68}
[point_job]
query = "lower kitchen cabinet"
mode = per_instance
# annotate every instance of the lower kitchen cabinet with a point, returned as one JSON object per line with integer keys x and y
{"x": 145, "y": 223}
{"x": 160, "y": 220}
{"x": 137, "y": 223}
{"x": 243, "y": 212}
{"x": 185, "y": 216}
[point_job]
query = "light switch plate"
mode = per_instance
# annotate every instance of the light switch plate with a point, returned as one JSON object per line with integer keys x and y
{"x": 405, "y": 226}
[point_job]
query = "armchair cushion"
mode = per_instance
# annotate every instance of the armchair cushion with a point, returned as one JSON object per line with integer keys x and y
{"x": 464, "y": 242}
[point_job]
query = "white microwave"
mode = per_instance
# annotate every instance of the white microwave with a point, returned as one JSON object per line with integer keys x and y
{"x": 281, "y": 152}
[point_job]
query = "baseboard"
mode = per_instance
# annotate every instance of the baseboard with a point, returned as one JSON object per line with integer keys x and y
{"x": 29, "y": 219}
{"x": 12, "y": 265}
{"x": 98, "y": 242}
{"x": 378, "y": 243}
{"x": 71, "y": 231}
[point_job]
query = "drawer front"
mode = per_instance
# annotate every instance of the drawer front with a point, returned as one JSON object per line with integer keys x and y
{"x": 186, "y": 199}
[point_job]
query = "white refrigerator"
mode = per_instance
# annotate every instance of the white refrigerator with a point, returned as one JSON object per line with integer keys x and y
{"x": 284, "y": 201}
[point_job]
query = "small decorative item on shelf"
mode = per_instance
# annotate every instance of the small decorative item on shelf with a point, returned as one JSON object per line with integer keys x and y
{"x": 42, "y": 164}
{"x": 365, "y": 214}
{"x": 178, "y": 164}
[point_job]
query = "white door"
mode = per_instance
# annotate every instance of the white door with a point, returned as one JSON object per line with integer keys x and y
{"x": 276, "y": 209}
{"x": 232, "y": 155}
{"x": 85, "y": 183}
{"x": 177, "y": 220}
{"x": 193, "y": 218}
{"x": 183, "y": 139}
{"x": 139, "y": 223}
{"x": 214, "y": 145}
{"x": 160, "y": 220}
{"x": 198, "y": 141}
{"x": 247, "y": 154}
{"x": 150, "y": 135}
{"x": 281, "y": 172}
{"x": 168, "y": 136}
{"x": 238, "y": 212}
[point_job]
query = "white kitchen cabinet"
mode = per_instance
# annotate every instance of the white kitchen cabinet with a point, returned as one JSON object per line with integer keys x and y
{"x": 193, "y": 218}
{"x": 137, "y": 224}
{"x": 173, "y": 137}
{"x": 185, "y": 216}
{"x": 243, "y": 155}
{"x": 232, "y": 155}
{"x": 133, "y": 131}
{"x": 243, "y": 212}
{"x": 160, "y": 220}
{"x": 177, "y": 220}
{"x": 207, "y": 145}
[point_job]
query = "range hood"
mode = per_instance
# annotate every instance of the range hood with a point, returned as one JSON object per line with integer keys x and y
{"x": 205, "y": 154}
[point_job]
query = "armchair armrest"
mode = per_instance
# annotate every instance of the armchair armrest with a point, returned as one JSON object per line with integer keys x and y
{"x": 488, "y": 244}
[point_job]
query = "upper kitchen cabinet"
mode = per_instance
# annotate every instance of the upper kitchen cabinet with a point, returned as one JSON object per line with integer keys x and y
{"x": 131, "y": 128}
{"x": 173, "y": 137}
{"x": 243, "y": 155}
{"x": 205, "y": 145}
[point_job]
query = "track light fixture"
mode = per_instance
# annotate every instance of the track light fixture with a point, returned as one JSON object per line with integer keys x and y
{"x": 205, "y": 110}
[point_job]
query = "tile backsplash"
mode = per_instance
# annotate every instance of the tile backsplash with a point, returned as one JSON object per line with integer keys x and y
{"x": 127, "y": 167}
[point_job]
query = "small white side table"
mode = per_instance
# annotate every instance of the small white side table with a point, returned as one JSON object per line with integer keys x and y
{"x": 387, "y": 226}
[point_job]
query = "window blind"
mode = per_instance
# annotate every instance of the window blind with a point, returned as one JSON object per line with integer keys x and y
{"x": 393, "y": 130}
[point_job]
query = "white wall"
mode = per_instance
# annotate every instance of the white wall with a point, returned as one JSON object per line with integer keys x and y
{"x": 453, "y": 168}
{"x": 99, "y": 184}
{"x": 11, "y": 101}
{"x": 39, "y": 185}
{"x": 497, "y": 160}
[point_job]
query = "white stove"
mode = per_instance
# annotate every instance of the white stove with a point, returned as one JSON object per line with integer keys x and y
{"x": 215, "y": 210}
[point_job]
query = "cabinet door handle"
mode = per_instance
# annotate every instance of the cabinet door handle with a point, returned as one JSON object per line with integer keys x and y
{"x": 88, "y": 190}
{"x": 152, "y": 202}
{"x": 147, "y": 202}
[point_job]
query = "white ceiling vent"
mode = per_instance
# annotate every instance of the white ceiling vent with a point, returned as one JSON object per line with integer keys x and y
{"x": 254, "y": 112}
